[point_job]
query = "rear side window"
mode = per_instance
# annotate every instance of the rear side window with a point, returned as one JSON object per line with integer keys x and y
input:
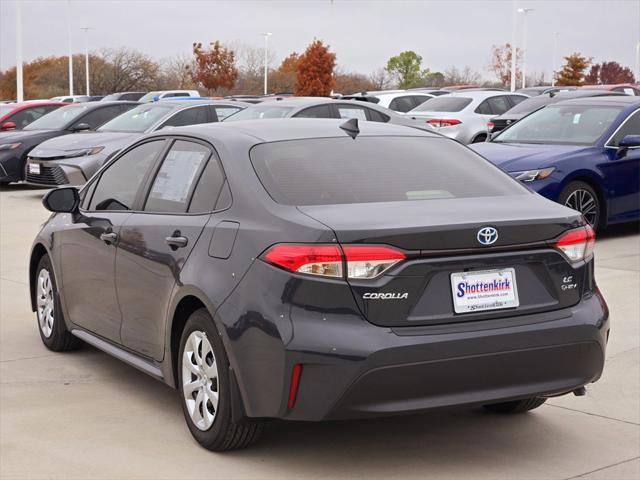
{"x": 176, "y": 178}
{"x": 376, "y": 116}
{"x": 375, "y": 169}
{"x": 444, "y": 104}
{"x": 351, "y": 111}
{"x": 516, "y": 99}
{"x": 205, "y": 196}
{"x": 402, "y": 104}
{"x": 190, "y": 116}
{"x": 484, "y": 108}
{"x": 320, "y": 111}
{"x": 224, "y": 112}
{"x": 499, "y": 105}
{"x": 117, "y": 187}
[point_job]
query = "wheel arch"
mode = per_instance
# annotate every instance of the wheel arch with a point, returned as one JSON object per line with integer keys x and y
{"x": 37, "y": 252}
{"x": 594, "y": 182}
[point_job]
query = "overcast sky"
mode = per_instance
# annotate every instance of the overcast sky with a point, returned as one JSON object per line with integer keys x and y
{"x": 363, "y": 34}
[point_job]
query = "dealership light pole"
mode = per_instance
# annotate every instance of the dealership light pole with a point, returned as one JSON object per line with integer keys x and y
{"x": 524, "y": 45}
{"x": 514, "y": 64}
{"x": 86, "y": 56}
{"x": 266, "y": 36}
{"x": 555, "y": 55}
{"x": 69, "y": 40}
{"x": 19, "y": 81}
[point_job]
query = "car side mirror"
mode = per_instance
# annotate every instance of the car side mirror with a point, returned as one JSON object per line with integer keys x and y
{"x": 627, "y": 142}
{"x": 62, "y": 200}
{"x": 81, "y": 127}
{"x": 8, "y": 126}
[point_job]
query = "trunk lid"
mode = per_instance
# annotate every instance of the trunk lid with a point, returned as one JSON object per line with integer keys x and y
{"x": 440, "y": 239}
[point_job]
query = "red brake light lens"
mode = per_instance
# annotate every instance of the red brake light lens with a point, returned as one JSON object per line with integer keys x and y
{"x": 490, "y": 125}
{"x": 362, "y": 261}
{"x": 577, "y": 244}
{"x": 443, "y": 122}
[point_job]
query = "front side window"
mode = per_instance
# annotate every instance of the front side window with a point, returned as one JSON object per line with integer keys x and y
{"x": 118, "y": 185}
{"x": 172, "y": 187}
{"x": 260, "y": 112}
{"x": 99, "y": 116}
{"x": 303, "y": 172}
{"x": 30, "y": 115}
{"x": 190, "y": 116}
{"x": 562, "y": 124}
{"x": 630, "y": 127}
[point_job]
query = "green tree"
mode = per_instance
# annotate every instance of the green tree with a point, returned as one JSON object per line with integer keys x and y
{"x": 407, "y": 69}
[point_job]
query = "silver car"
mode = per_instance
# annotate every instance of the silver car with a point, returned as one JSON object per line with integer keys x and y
{"x": 75, "y": 158}
{"x": 463, "y": 115}
{"x": 322, "y": 107}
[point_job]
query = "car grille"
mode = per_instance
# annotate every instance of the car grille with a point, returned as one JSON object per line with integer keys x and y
{"x": 48, "y": 176}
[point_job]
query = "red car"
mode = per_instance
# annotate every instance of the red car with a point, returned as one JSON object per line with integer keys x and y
{"x": 628, "y": 88}
{"x": 16, "y": 116}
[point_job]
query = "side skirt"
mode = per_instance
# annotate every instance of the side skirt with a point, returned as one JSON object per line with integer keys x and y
{"x": 132, "y": 359}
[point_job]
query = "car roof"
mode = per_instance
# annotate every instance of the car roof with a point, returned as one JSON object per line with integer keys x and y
{"x": 623, "y": 100}
{"x": 479, "y": 94}
{"x": 190, "y": 103}
{"x": 259, "y": 131}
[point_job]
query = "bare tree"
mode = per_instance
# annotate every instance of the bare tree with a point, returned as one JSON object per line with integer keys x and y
{"x": 381, "y": 79}
{"x": 466, "y": 76}
{"x": 176, "y": 72}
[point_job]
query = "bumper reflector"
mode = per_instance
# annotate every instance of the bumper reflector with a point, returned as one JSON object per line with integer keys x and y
{"x": 293, "y": 387}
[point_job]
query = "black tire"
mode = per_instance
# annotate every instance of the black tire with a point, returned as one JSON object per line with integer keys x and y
{"x": 516, "y": 406}
{"x": 480, "y": 138}
{"x": 571, "y": 197}
{"x": 59, "y": 338}
{"x": 223, "y": 434}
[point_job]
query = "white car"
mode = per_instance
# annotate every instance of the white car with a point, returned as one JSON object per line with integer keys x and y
{"x": 463, "y": 115}
{"x": 159, "y": 94}
{"x": 70, "y": 98}
{"x": 397, "y": 100}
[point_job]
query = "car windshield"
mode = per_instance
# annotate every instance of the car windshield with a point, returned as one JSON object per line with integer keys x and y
{"x": 443, "y": 104}
{"x": 253, "y": 113}
{"x": 303, "y": 172}
{"x": 529, "y": 105}
{"x": 147, "y": 97}
{"x": 58, "y": 119}
{"x": 138, "y": 119}
{"x": 562, "y": 124}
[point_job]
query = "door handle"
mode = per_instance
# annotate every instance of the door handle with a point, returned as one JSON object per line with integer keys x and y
{"x": 109, "y": 238}
{"x": 176, "y": 240}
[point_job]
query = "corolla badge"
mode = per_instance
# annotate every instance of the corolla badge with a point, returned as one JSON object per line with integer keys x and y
{"x": 487, "y": 235}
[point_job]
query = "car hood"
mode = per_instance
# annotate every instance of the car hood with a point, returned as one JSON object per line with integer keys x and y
{"x": 514, "y": 157}
{"x": 59, "y": 147}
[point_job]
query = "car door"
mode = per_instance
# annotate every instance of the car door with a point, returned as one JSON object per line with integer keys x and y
{"x": 156, "y": 242}
{"x": 621, "y": 173}
{"x": 88, "y": 246}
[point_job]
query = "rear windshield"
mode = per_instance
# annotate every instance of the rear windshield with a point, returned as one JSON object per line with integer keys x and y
{"x": 137, "y": 119}
{"x": 329, "y": 171}
{"x": 58, "y": 119}
{"x": 443, "y": 104}
{"x": 255, "y": 113}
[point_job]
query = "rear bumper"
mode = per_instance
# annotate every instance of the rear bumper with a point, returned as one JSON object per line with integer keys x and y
{"x": 353, "y": 369}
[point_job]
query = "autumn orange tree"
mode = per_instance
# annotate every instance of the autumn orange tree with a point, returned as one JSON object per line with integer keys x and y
{"x": 501, "y": 63}
{"x": 314, "y": 75}
{"x": 215, "y": 68}
{"x": 283, "y": 79}
{"x": 572, "y": 72}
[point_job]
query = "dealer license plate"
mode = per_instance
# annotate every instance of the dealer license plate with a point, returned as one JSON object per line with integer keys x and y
{"x": 484, "y": 290}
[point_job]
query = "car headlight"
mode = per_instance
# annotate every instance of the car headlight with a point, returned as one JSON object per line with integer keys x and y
{"x": 85, "y": 152}
{"x": 9, "y": 146}
{"x": 532, "y": 175}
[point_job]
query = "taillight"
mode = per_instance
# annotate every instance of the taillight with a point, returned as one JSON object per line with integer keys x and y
{"x": 490, "y": 125}
{"x": 361, "y": 261}
{"x": 577, "y": 244}
{"x": 443, "y": 122}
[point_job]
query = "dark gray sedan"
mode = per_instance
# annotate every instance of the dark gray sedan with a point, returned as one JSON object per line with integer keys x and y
{"x": 74, "y": 159}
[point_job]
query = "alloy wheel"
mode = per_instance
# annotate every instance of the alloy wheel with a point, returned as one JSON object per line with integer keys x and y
{"x": 45, "y": 303}
{"x": 200, "y": 380}
{"x": 584, "y": 202}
